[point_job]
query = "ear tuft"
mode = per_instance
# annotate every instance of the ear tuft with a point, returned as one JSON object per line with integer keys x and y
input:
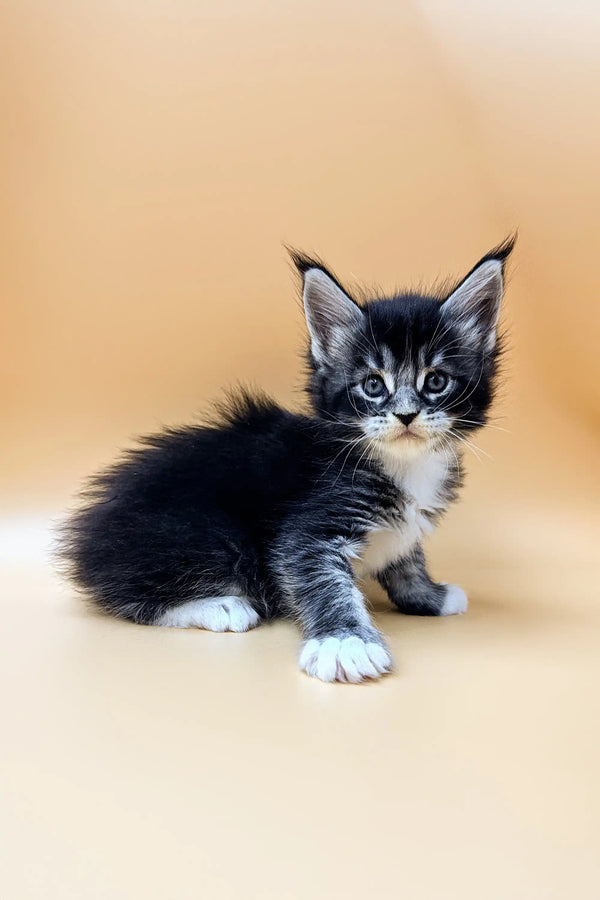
{"x": 304, "y": 261}
{"x": 503, "y": 250}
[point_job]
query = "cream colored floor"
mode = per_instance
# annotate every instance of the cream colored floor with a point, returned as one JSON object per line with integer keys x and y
{"x": 146, "y": 762}
{"x": 155, "y": 156}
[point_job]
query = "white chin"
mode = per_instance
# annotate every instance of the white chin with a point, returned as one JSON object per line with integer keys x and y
{"x": 406, "y": 447}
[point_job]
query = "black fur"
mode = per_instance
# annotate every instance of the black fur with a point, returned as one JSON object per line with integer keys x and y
{"x": 196, "y": 509}
{"x": 409, "y": 586}
{"x": 274, "y": 506}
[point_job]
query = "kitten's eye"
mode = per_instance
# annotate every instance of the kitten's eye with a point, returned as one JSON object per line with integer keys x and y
{"x": 435, "y": 381}
{"x": 374, "y": 386}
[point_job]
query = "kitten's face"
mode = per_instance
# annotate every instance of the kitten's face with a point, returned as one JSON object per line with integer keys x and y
{"x": 412, "y": 372}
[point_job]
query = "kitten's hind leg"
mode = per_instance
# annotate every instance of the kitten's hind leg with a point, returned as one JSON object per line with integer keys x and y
{"x": 410, "y": 588}
{"x": 213, "y": 614}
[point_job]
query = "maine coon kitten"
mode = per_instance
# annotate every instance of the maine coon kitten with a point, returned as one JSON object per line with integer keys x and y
{"x": 267, "y": 513}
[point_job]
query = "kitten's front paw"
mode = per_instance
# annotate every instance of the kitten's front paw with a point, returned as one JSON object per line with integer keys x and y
{"x": 455, "y": 601}
{"x": 345, "y": 659}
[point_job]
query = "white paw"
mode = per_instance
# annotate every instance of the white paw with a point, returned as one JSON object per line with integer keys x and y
{"x": 344, "y": 659}
{"x": 455, "y": 601}
{"x": 213, "y": 614}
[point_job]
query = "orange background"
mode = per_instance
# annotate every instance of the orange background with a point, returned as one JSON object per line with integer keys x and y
{"x": 155, "y": 156}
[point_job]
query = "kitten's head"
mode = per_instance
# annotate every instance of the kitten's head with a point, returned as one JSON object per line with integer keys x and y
{"x": 412, "y": 371}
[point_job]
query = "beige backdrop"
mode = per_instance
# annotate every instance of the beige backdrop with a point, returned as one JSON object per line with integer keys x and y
{"x": 155, "y": 156}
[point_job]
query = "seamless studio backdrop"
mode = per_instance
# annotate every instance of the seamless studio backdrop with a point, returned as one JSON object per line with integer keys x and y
{"x": 155, "y": 158}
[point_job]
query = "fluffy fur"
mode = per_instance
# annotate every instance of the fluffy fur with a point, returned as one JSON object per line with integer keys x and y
{"x": 265, "y": 513}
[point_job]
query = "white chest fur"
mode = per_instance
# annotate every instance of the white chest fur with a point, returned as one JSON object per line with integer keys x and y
{"x": 420, "y": 480}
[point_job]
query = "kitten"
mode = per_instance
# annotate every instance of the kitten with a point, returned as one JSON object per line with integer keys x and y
{"x": 266, "y": 513}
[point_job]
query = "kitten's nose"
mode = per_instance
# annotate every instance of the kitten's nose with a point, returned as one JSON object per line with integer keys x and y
{"x": 406, "y": 418}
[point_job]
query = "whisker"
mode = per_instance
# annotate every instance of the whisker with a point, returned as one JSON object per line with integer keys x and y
{"x": 473, "y": 447}
{"x": 461, "y": 421}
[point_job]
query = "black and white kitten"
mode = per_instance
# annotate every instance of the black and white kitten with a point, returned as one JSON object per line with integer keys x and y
{"x": 266, "y": 513}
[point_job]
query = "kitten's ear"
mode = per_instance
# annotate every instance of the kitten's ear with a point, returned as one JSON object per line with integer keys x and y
{"x": 474, "y": 306}
{"x": 333, "y": 318}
